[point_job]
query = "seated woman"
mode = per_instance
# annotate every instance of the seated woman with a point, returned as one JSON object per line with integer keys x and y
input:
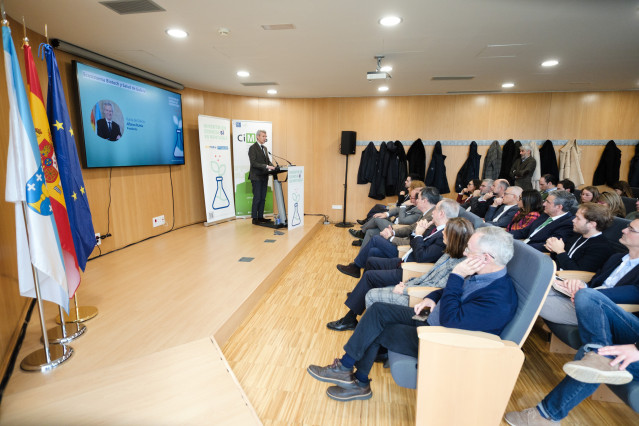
{"x": 614, "y": 203}
{"x": 622, "y": 188}
{"x": 468, "y": 191}
{"x": 590, "y": 194}
{"x": 530, "y": 206}
{"x": 456, "y": 235}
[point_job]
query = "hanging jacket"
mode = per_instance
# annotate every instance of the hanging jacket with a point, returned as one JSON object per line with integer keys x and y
{"x": 416, "y": 157}
{"x": 548, "y": 159}
{"x": 607, "y": 172}
{"x": 395, "y": 178}
{"x": 569, "y": 163}
{"x": 367, "y": 164}
{"x": 392, "y": 167}
{"x": 633, "y": 171}
{"x": 378, "y": 185}
{"x": 509, "y": 154}
{"x": 469, "y": 170}
{"x": 436, "y": 173}
{"x": 492, "y": 162}
{"x": 534, "y": 153}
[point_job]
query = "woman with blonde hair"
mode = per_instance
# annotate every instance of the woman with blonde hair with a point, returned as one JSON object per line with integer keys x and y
{"x": 614, "y": 203}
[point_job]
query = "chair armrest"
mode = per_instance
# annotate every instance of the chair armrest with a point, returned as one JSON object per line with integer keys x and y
{"x": 584, "y": 276}
{"x": 458, "y": 337}
{"x": 629, "y": 308}
{"x": 417, "y": 294}
{"x": 414, "y": 269}
{"x": 402, "y": 250}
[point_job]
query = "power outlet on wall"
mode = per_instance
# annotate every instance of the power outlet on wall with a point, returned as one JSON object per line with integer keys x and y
{"x": 158, "y": 221}
{"x": 98, "y": 240}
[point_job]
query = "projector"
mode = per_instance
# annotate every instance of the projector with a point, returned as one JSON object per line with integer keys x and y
{"x": 377, "y": 75}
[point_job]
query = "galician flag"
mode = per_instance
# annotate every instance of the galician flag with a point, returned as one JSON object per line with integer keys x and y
{"x": 68, "y": 163}
{"x": 36, "y": 235}
{"x": 50, "y": 170}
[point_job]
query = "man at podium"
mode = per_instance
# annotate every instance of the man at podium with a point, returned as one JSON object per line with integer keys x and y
{"x": 258, "y": 174}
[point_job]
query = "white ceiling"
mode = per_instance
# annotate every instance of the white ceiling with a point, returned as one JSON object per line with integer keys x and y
{"x": 335, "y": 41}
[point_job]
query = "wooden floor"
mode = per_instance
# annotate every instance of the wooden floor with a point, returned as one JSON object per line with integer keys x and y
{"x": 151, "y": 354}
{"x": 287, "y": 332}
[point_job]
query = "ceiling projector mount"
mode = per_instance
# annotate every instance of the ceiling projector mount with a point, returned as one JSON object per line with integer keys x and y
{"x": 378, "y": 74}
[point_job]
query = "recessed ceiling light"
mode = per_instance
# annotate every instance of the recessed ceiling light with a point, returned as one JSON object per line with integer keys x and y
{"x": 383, "y": 88}
{"x": 550, "y": 63}
{"x": 271, "y": 92}
{"x": 508, "y": 85}
{"x": 243, "y": 74}
{"x": 177, "y": 33}
{"x": 386, "y": 68}
{"x": 390, "y": 21}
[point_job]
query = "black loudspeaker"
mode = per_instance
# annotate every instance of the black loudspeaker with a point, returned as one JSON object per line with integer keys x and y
{"x": 347, "y": 147}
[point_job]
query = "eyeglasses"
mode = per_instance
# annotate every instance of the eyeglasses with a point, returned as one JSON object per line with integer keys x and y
{"x": 467, "y": 252}
{"x": 629, "y": 228}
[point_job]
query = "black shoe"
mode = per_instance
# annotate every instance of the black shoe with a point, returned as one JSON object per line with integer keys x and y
{"x": 256, "y": 221}
{"x": 361, "y": 222}
{"x": 262, "y": 220}
{"x": 352, "y": 391}
{"x": 357, "y": 242}
{"x": 382, "y": 357}
{"x": 350, "y": 269}
{"x": 356, "y": 233}
{"x": 342, "y": 325}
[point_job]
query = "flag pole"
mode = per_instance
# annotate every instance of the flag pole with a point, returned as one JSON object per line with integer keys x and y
{"x": 79, "y": 314}
{"x": 49, "y": 357}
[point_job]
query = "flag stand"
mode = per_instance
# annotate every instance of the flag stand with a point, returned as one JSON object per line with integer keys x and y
{"x": 59, "y": 336}
{"x": 79, "y": 314}
{"x": 48, "y": 358}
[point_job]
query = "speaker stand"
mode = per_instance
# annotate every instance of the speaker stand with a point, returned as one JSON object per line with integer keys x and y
{"x": 343, "y": 223}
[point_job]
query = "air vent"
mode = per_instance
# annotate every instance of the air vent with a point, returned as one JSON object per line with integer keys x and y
{"x": 453, "y": 77}
{"x": 460, "y": 92}
{"x": 278, "y": 27}
{"x": 260, "y": 84}
{"x": 132, "y": 6}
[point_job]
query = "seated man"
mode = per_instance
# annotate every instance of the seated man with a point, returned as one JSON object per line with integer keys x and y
{"x": 477, "y": 203}
{"x": 609, "y": 333}
{"x": 588, "y": 249}
{"x": 504, "y": 208}
{"x": 547, "y": 184}
{"x": 555, "y": 222}
{"x": 618, "y": 279}
{"x": 427, "y": 241}
{"x": 406, "y": 214}
{"x": 479, "y": 296}
{"x": 402, "y": 197}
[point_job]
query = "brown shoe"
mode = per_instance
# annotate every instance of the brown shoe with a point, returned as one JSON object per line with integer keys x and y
{"x": 595, "y": 368}
{"x": 350, "y": 269}
{"x": 355, "y": 390}
{"x": 334, "y": 373}
{"x": 528, "y": 417}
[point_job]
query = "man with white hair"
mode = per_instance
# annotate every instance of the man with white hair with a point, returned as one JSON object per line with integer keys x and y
{"x": 523, "y": 167}
{"x": 479, "y": 296}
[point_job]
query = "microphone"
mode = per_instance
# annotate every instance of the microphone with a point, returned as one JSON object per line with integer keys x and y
{"x": 281, "y": 158}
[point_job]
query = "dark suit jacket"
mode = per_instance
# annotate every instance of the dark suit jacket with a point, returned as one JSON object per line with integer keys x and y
{"x": 522, "y": 171}
{"x": 505, "y": 219}
{"x": 427, "y": 250}
{"x": 259, "y": 161}
{"x": 477, "y": 207}
{"x": 626, "y": 290}
{"x": 588, "y": 257}
{"x": 103, "y": 130}
{"x": 559, "y": 228}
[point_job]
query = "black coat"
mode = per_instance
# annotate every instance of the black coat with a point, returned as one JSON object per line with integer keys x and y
{"x": 469, "y": 170}
{"x": 633, "y": 172}
{"x": 397, "y": 171}
{"x": 367, "y": 164}
{"x": 378, "y": 185}
{"x": 416, "y": 157}
{"x": 509, "y": 154}
{"x": 607, "y": 172}
{"x": 436, "y": 173}
{"x": 548, "y": 160}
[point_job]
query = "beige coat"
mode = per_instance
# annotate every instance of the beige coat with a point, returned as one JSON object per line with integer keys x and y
{"x": 569, "y": 163}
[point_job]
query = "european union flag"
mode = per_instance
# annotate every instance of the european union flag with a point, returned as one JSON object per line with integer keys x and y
{"x": 68, "y": 163}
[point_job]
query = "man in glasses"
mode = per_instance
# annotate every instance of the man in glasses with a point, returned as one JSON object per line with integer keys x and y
{"x": 504, "y": 208}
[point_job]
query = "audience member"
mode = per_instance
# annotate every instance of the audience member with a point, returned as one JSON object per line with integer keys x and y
{"x": 555, "y": 222}
{"x": 530, "y": 207}
{"x": 634, "y": 215}
{"x": 523, "y": 167}
{"x": 477, "y": 204}
{"x": 402, "y": 197}
{"x": 456, "y": 234}
{"x": 468, "y": 191}
{"x": 504, "y": 208}
{"x": 588, "y": 249}
{"x": 618, "y": 279}
{"x": 622, "y": 188}
{"x": 479, "y": 296}
{"x": 566, "y": 185}
{"x": 613, "y": 201}
{"x": 609, "y": 333}
{"x": 547, "y": 184}
{"x": 590, "y": 194}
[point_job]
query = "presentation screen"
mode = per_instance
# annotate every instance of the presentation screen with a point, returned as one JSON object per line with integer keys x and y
{"x": 126, "y": 122}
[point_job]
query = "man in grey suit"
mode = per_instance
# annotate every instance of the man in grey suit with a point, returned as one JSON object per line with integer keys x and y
{"x": 523, "y": 168}
{"x": 504, "y": 208}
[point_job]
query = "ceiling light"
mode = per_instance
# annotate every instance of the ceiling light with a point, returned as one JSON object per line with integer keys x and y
{"x": 390, "y": 21}
{"x": 550, "y": 63}
{"x": 386, "y": 68}
{"x": 271, "y": 92}
{"x": 243, "y": 74}
{"x": 508, "y": 85}
{"x": 383, "y": 88}
{"x": 177, "y": 33}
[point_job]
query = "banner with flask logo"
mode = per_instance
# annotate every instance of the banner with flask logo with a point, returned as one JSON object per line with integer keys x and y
{"x": 215, "y": 153}
{"x": 295, "y": 197}
{"x": 244, "y": 135}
